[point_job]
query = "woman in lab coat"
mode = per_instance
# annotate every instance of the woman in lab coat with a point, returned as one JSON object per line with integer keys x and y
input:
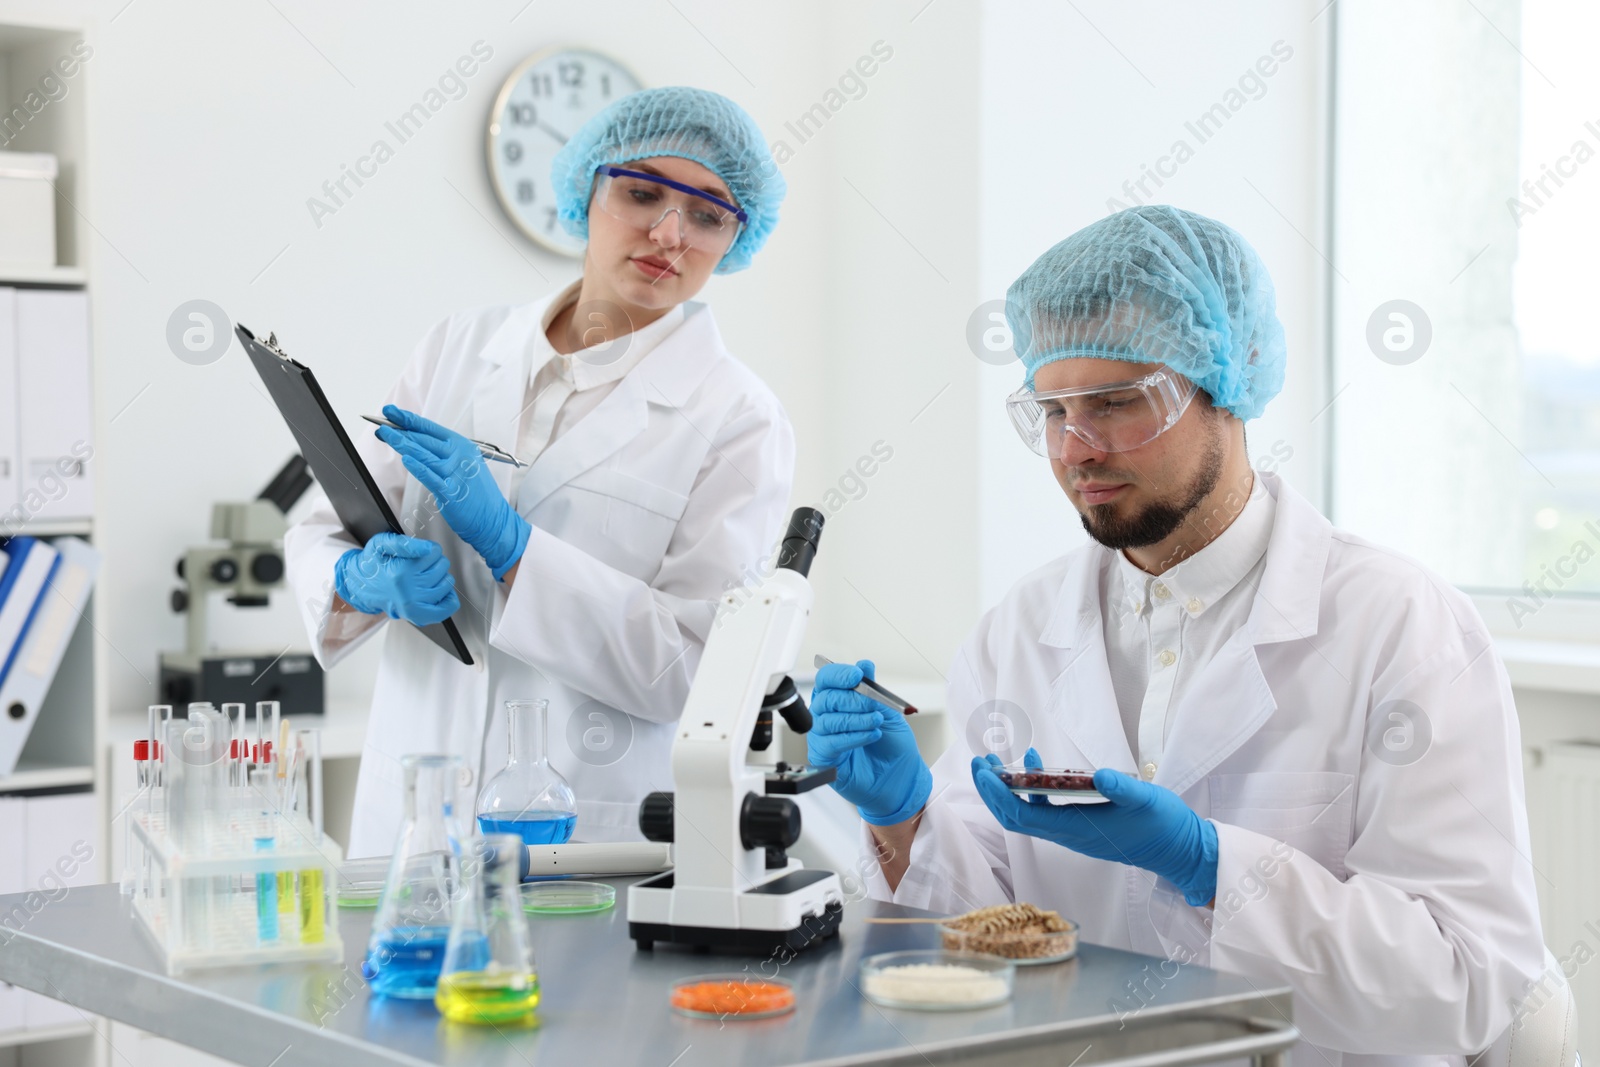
{"x": 660, "y": 473}
{"x": 1308, "y": 743}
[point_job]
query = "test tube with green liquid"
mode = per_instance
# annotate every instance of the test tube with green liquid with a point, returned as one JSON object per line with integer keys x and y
{"x": 313, "y": 894}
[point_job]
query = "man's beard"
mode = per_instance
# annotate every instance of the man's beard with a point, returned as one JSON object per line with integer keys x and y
{"x": 1157, "y": 521}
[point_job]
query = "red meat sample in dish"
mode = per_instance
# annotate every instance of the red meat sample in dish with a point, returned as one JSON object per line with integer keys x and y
{"x": 1052, "y": 779}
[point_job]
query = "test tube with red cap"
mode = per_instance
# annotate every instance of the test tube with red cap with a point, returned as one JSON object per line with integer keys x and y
{"x": 159, "y": 714}
{"x": 233, "y": 713}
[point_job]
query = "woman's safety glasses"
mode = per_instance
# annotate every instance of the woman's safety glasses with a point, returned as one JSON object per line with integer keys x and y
{"x": 645, "y": 200}
{"x": 1116, "y": 417}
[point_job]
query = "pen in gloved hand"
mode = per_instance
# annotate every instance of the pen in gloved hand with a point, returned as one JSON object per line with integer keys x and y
{"x": 869, "y": 688}
{"x": 485, "y": 449}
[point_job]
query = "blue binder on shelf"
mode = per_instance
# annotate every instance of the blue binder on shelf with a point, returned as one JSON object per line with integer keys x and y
{"x": 30, "y": 566}
{"x": 47, "y": 587}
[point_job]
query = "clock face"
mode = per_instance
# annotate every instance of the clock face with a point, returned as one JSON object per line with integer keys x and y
{"x": 544, "y": 102}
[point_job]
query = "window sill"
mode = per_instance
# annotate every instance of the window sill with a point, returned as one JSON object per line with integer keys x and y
{"x": 1555, "y": 666}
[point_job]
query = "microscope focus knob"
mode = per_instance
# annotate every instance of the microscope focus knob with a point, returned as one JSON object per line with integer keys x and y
{"x": 655, "y": 817}
{"x": 267, "y": 568}
{"x": 768, "y": 822}
{"x": 224, "y": 570}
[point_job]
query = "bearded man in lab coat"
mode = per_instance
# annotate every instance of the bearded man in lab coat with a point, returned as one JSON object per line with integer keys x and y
{"x": 1305, "y": 746}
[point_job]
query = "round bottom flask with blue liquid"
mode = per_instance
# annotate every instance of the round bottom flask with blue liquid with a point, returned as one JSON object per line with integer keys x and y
{"x": 528, "y": 798}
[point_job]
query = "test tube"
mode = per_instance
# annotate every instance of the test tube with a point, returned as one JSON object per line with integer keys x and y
{"x": 141, "y": 763}
{"x": 234, "y": 713}
{"x": 271, "y": 710}
{"x": 141, "y": 772}
{"x": 256, "y": 747}
{"x": 283, "y": 755}
{"x": 154, "y": 732}
{"x": 265, "y": 841}
{"x": 313, "y": 911}
{"x": 162, "y": 732}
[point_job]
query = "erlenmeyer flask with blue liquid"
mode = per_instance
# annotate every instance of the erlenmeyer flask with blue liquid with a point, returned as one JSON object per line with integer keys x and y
{"x": 528, "y": 798}
{"x": 412, "y": 926}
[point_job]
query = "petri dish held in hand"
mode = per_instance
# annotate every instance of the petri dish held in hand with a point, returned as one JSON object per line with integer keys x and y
{"x": 1075, "y": 787}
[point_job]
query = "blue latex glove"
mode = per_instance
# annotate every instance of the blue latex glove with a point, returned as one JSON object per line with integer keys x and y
{"x": 1144, "y": 825}
{"x": 450, "y": 467}
{"x": 398, "y": 576}
{"x": 879, "y": 768}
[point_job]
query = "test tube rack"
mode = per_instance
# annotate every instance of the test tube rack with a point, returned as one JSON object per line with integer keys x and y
{"x": 199, "y": 904}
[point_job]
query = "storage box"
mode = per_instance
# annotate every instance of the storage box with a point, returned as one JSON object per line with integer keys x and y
{"x": 27, "y": 209}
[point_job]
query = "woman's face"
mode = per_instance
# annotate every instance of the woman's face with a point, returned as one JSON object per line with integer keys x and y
{"x": 653, "y": 269}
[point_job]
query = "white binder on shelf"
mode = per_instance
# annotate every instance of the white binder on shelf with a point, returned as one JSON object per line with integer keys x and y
{"x": 10, "y": 437}
{"x": 13, "y": 845}
{"x": 54, "y": 410}
{"x": 37, "y": 654}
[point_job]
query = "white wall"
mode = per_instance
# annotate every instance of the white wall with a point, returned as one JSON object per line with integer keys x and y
{"x": 211, "y": 126}
{"x": 1118, "y": 97}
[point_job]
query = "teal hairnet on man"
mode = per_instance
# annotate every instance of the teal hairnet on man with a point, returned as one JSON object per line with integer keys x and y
{"x": 1305, "y": 754}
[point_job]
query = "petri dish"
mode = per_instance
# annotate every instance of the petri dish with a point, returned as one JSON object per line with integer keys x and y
{"x": 733, "y": 995}
{"x": 1023, "y": 948}
{"x": 361, "y": 882}
{"x": 1070, "y": 786}
{"x": 936, "y": 980}
{"x": 567, "y": 898}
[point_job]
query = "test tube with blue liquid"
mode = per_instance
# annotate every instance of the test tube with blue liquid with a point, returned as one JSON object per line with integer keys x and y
{"x": 262, "y": 787}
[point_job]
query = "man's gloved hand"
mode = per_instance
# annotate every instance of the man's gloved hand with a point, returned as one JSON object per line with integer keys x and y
{"x": 450, "y": 467}
{"x": 398, "y": 576}
{"x": 1143, "y": 825}
{"x": 879, "y": 768}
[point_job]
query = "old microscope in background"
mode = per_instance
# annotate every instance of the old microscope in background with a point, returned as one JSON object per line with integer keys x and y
{"x": 248, "y": 566}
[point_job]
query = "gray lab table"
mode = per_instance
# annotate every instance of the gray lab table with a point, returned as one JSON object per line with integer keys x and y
{"x": 605, "y": 1002}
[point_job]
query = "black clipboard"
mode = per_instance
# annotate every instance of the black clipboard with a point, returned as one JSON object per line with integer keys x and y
{"x": 355, "y": 497}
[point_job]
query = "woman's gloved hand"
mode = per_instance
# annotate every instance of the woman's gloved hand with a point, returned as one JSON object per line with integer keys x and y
{"x": 398, "y": 576}
{"x": 450, "y": 467}
{"x": 1143, "y": 825}
{"x": 878, "y": 766}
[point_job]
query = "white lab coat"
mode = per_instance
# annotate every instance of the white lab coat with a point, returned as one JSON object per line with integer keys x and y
{"x": 671, "y": 490}
{"x": 1402, "y": 912}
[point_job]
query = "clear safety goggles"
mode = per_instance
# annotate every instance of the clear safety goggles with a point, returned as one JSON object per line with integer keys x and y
{"x": 645, "y": 200}
{"x": 1115, "y": 417}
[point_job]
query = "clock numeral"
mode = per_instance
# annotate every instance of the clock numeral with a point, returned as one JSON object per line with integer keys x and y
{"x": 550, "y": 220}
{"x": 541, "y": 85}
{"x": 571, "y": 74}
{"x": 525, "y": 192}
{"x": 522, "y": 114}
{"x": 605, "y": 85}
{"x": 513, "y": 151}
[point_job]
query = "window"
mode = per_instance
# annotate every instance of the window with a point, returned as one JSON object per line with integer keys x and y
{"x": 1466, "y": 357}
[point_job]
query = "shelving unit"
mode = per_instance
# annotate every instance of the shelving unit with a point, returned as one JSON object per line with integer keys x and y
{"x": 51, "y": 277}
{"x": 62, "y": 752}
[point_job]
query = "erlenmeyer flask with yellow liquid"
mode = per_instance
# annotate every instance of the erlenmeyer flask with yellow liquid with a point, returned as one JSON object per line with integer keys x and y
{"x": 488, "y": 975}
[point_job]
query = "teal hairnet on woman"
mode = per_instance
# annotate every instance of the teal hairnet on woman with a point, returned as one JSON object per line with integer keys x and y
{"x": 658, "y": 471}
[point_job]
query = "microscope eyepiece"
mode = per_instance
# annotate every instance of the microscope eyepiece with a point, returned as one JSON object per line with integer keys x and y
{"x": 799, "y": 546}
{"x": 787, "y": 701}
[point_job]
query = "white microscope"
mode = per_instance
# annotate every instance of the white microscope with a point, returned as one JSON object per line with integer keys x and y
{"x": 733, "y": 888}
